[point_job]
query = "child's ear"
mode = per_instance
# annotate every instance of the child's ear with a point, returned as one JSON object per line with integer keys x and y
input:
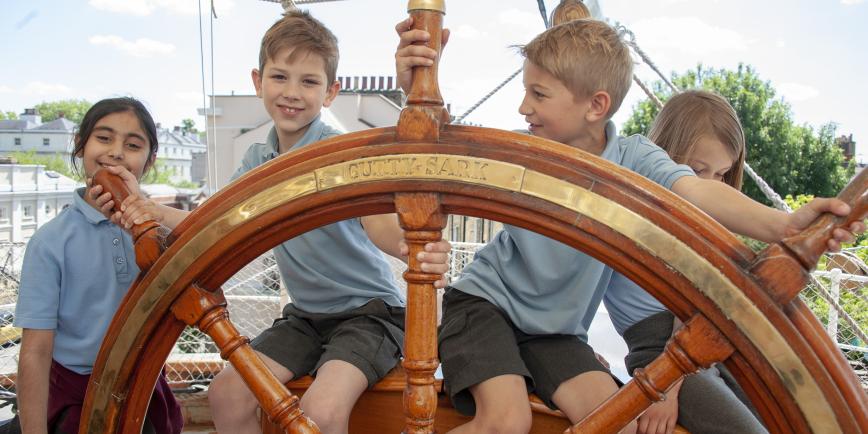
{"x": 257, "y": 81}
{"x": 332, "y": 93}
{"x": 600, "y": 104}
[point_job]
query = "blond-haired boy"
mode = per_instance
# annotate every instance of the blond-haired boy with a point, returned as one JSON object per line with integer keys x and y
{"x": 517, "y": 318}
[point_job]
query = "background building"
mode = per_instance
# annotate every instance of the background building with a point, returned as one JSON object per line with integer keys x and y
{"x": 235, "y": 122}
{"x": 176, "y": 151}
{"x": 30, "y": 196}
{"x": 28, "y": 133}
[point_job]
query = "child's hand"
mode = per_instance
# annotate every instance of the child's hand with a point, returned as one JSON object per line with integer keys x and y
{"x": 129, "y": 179}
{"x": 136, "y": 210}
{"x": 102, "y": 201}
{"x": 410, "y": 55}
{"x": 660, "y": 417}
{"x": 804, "y": 216}
{"x": 435, "y": 259}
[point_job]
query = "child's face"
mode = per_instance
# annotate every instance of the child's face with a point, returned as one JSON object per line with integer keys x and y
{"x": 710, "y": 159}
{"x": 117, "y": 140}
{"x": 551, "y": 109}
{"x": 294, "y": 92}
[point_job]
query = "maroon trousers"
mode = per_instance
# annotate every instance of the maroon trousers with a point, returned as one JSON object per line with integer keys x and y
{"x": 66, "y": 392}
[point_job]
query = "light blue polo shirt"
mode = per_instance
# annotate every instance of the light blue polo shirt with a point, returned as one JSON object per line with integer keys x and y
{"x": 333, "y": 268}
{"x": 547, "y": 287}
{"x": 77, "y": 269}
{"x": 628, "y": 303}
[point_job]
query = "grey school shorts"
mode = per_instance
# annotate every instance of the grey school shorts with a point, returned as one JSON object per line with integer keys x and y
{"x": 478, "y": 342}
{"x": 369, "y": 337}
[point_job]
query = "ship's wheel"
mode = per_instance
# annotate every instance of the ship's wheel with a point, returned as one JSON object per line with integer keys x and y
{"x": 738, "y": 308}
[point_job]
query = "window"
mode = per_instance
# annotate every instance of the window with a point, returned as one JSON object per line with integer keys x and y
{"x": 4, "y": 217}
{"x": 28, "y": 212}
{"x": 47, "y": 209}
{"x": 46, "y": 141}
{"x": 18, "y": 141}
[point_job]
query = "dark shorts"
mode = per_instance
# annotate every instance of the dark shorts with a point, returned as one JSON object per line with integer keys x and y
{"x": 478, "y": 342}
{"x": 646, "y": 340}
{"x": 369, "y": 337}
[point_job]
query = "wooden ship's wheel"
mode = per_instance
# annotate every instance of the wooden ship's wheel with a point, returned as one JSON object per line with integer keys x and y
{"x": 738, "y": 308}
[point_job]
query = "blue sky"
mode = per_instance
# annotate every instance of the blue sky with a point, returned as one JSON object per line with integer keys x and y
{"x": 813, "y": 52}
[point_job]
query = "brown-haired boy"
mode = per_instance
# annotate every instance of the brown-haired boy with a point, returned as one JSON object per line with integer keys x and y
{"x": 517, "y": 319}
{"x": 345, "y": 323}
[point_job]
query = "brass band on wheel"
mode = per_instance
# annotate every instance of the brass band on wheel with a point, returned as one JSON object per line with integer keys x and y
{"x": 429, "y": 5}
{"x": 508, "y": 177}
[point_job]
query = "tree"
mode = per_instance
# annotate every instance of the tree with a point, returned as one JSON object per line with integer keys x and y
{"x": 189, "y": 126}
{"x": 793, "y": 159}
{"x": 158, "y": 174}
{"x": 72, "y": 109}
{"x": 8, "y": 115}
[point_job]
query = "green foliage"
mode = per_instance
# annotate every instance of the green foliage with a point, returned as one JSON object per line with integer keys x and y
{"x": 8, "y": 116}
{"x": 72, "y": 109}
{"x": 189, "y": 126}
{"x": 793, "y": 159}
{"x": 160, "y": 174}
{"x": 54, "y": 162}
{"x": 852, "y": 303}
{"x": 157, "y": 174}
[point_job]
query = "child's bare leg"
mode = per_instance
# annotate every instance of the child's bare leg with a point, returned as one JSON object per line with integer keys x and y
{"x": 579, "y": 395}
{"x": 502, "y": 407}
{"x": 233, "y": 406}
{"x": 331, "y": 397}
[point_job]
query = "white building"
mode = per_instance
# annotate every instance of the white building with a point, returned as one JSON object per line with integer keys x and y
{"x": 30, "y": 196}
{"x": 176, "y": 150}
{"x": 28, "y": 133}
{"x": 235, "y": 122}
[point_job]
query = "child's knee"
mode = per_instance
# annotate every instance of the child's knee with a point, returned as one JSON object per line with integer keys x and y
{"x": 515, "y": 420}
{"x": 228, "y": 392}
{"x": 328, "y": 413}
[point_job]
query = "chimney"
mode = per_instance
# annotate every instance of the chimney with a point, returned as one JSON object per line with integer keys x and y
{"x": 177, "y": 129}
{"x": 31, "y": 115}
{"x": 159, "y": 125}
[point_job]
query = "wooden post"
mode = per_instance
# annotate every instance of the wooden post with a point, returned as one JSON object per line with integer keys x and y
{"x": 696, "y": 345}
{"x": 207, "y": 310}
{"x": 424, "y": 115}
{"x": 420, "y": 217}
{"x": 149, "y": 244}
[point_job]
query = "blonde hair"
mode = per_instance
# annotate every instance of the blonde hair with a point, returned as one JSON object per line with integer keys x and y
{"x": 587, "y": 56}
{"x": 569, "y": 10}
{"x": 304, "y": 35}
{"x": 693, "y": 114}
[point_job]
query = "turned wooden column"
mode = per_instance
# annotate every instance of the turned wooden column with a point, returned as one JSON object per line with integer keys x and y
{"x": 207, "y": 310}
{"x": 424, "y": 115}
{"x": 420, "y": 217}
{"x": 695, "y": 346}
{"x": 147, "y": 237}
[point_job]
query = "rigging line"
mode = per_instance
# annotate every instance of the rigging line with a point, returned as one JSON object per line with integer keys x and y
{"x": 486, "y": 97}
{"x": 842, "y": 314}
{"x": 767, "y": 190}
{"x": 209, "y": 155}
{"x": 648, "y": 92}
{"x": 630, "y": 39}
{"x": 542, "y": 11}
{"x": 213, "y": 97}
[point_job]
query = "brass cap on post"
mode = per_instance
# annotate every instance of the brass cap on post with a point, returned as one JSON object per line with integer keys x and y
{"x": 429, "y": 5}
